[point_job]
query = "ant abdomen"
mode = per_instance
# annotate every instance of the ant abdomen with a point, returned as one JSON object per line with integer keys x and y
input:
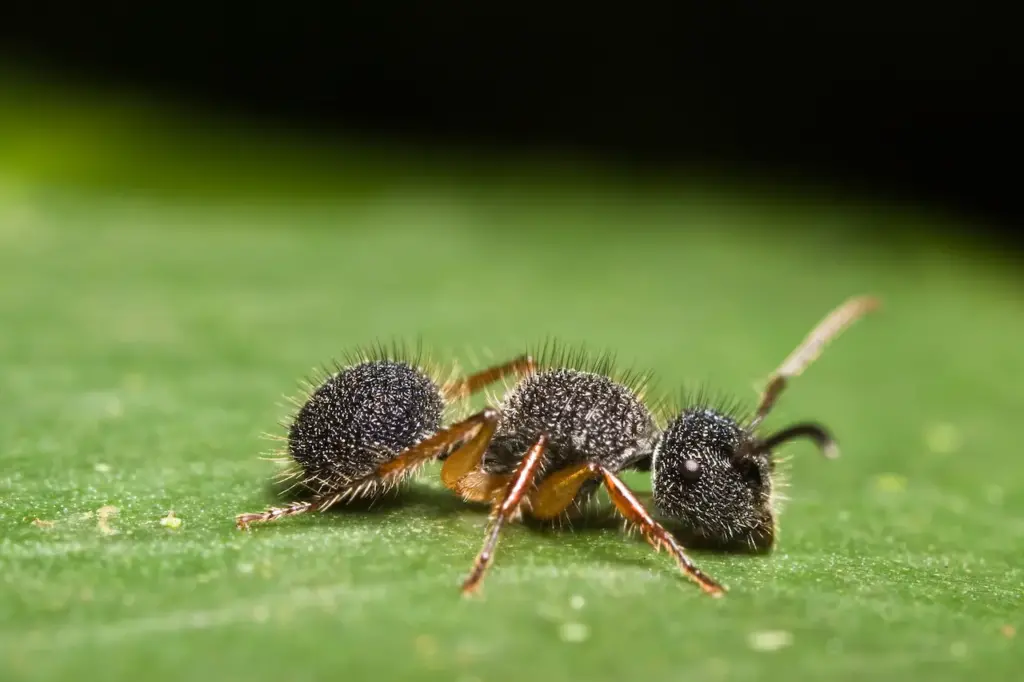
{"x": 371, "y": 424}
{"x": 359, "y": 417}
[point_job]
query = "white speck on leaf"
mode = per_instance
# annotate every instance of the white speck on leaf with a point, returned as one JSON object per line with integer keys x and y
{"x": 942, "y": 438}
{"x": 103, "y": 515}
{"x": 573, "y": 632}
{"x": 101, "y": 404}
{"x": 891, "y": 483}
{"x": 770, "y": 640}
{"x": 577, "y": 602}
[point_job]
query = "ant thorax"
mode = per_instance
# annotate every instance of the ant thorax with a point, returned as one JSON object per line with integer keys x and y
{"x": 359, "y": 417}
{"x": 586, "y": 416}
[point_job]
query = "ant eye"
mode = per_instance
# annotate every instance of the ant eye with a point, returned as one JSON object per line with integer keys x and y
{"x": 691, "y": 469}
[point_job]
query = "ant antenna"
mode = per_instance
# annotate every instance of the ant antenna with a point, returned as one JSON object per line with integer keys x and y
{"x": 809, "y": 350}
{"x": 816, "y": 432}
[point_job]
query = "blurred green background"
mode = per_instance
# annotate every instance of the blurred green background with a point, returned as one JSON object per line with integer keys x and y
{"x": 167, "y": 276}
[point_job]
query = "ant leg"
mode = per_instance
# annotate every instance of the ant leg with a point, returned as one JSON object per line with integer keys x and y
{"x": 462, "y": 435}
{"x": 558, "y": 490}
{"x": 472, "y": 434}
{"x": 467, "y": 386}
{"x": 811, "y": 347}
{"x": 457, "y": 469}
{"x": 522, "y": 480}
{"x": 816, "y": 432}
{"x": 243, "y": 521}
{"x": 629, "y": 507}
{"x": 460, "y": 471}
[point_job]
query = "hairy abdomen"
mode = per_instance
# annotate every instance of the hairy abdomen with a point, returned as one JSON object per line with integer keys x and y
{"x": 362, "y": 416}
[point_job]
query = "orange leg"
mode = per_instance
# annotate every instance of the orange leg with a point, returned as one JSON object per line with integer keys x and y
{"x": 467, "y": 458}
{"x": 243, "y": 521}
{"x": 469, "y": 438}
{"x": 461, "y": 435}
{"x": 522, "y": 480}
{"x": 467, "y": 386}
{"x": 480, "y": 486}
{"x": 470, "y": 434}
{"x": 629, "y": 506}
{"x": 558, "y": 490}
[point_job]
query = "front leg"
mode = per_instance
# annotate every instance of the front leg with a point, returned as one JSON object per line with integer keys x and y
{"x": 560, "y": 488}
{"x": 630, "y": 508}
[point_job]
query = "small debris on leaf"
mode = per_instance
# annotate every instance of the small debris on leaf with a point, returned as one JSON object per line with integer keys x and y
{"x": 171, "y": 521}
{"x": 1008, "y": 631}
{"x": 891, "y": 483}
{"x": 426, "y": 647}
{"x": 942, "y": 438}
{"x": 573, "y": 632}
{"x": 103, "y": 515}
{"x": 770, "y": 640}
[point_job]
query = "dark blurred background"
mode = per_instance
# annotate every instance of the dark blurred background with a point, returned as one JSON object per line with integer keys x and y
{"x": 900, "y": 101}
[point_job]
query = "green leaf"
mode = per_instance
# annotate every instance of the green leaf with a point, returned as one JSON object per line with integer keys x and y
{"x": 149, "y": 330}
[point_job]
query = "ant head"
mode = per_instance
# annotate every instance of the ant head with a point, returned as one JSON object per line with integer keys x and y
{"x": 712, "y": 477}
{"x": 711, "y": 473}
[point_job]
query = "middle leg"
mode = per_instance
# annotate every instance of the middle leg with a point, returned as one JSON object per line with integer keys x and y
{"x": 522, "y": 481}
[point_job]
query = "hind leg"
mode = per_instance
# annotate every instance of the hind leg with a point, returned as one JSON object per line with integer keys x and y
{"x": 470, "y": 434}
{"x": 467, "y": 386}
{"x": 243, "y": 521}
